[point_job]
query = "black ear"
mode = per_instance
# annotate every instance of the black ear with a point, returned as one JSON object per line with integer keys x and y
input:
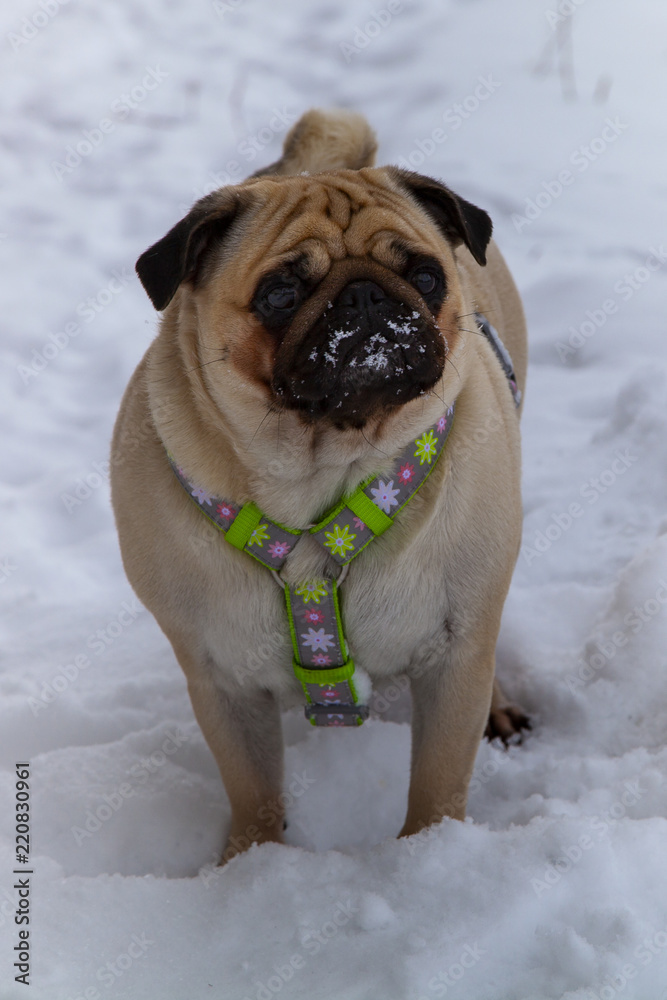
{"x": 176, "y": 257}
{"x": 458, "y": 220}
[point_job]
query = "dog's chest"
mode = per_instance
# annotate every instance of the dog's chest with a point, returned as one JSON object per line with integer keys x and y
{"x": 390, "y": 610}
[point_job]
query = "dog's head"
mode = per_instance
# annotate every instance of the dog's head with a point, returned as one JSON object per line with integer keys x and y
{"x": 334, "y": 296}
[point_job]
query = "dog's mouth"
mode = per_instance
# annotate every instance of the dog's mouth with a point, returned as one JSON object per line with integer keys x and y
{"x": 373, "y": 345}
{"x": 349, "y": 368}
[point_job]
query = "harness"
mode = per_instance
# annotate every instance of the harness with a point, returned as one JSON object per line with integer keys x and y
{"x": 321, "y": 660}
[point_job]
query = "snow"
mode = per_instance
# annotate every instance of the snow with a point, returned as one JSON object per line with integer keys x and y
{"x": 555, "y": 885}
{"x": 333, "y": 344}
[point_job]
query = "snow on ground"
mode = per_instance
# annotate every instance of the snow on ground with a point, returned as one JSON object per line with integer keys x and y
{"x": 556, "y": 885}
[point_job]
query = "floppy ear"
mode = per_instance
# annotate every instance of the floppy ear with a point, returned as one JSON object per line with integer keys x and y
{"x": 456, "y": 218}
{"x": 176, "y": 257}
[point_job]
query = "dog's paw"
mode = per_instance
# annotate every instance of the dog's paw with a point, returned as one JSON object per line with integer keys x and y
{"x": 507, "y": 723}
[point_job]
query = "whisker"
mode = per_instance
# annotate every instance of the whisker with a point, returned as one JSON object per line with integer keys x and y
{"x": 432, "y": 392}
{"x": 267, "y": 414}
{"x": 456, "y": 370}
{"x": 187, "y": 371}
{"x": 476, "y": 312}
{"x": 203, "y": 365}
{"x": 374, "y": 447}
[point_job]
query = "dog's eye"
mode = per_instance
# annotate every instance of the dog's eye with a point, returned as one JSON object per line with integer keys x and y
{"x": 428, "y": 278}
{"x": 277, "y": 299}
{"x": 425, "y": 282}
{"x": 282, "y": 297}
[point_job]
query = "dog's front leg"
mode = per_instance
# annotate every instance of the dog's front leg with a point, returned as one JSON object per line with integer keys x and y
{"x": 450, "y": 708}
{"x": 245, "y": 737}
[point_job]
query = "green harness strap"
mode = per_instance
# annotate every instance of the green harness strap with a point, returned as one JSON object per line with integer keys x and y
{"x": 321, "y": 659}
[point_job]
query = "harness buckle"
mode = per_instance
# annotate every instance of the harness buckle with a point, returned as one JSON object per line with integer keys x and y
{"x": 336, "y": 715}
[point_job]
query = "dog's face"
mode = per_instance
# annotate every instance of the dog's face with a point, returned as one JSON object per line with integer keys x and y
{"x": 333, "y": 298}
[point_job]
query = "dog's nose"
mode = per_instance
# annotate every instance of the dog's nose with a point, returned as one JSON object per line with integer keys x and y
{"x": 361, "y": 295}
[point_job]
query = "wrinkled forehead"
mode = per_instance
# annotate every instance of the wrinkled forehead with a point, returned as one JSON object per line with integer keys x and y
{"x": 330, "y": 217}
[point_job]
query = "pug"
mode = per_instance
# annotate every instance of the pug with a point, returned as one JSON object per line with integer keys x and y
{"x": 319, "y": 320}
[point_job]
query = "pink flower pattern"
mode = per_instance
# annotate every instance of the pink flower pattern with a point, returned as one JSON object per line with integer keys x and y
{"x": 279, "y": 549}
{"x": 225, "y": 511}
{"x": 320, "y": 636}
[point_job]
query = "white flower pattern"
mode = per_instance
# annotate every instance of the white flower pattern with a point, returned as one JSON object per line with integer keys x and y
{"x": 339, "y": 539}
{"x": 202, "y": 495}
{"x": 317, "y": 639}
{"x": 385, "y": 496}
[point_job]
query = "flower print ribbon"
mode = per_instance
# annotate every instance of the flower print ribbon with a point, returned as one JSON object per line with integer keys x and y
{"x": 321, "y": 661}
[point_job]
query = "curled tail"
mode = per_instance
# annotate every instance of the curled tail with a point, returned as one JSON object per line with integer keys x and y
{"x": 326, "y": 140}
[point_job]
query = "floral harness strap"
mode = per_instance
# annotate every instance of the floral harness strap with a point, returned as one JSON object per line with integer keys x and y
{"x": 321, "y": 660}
